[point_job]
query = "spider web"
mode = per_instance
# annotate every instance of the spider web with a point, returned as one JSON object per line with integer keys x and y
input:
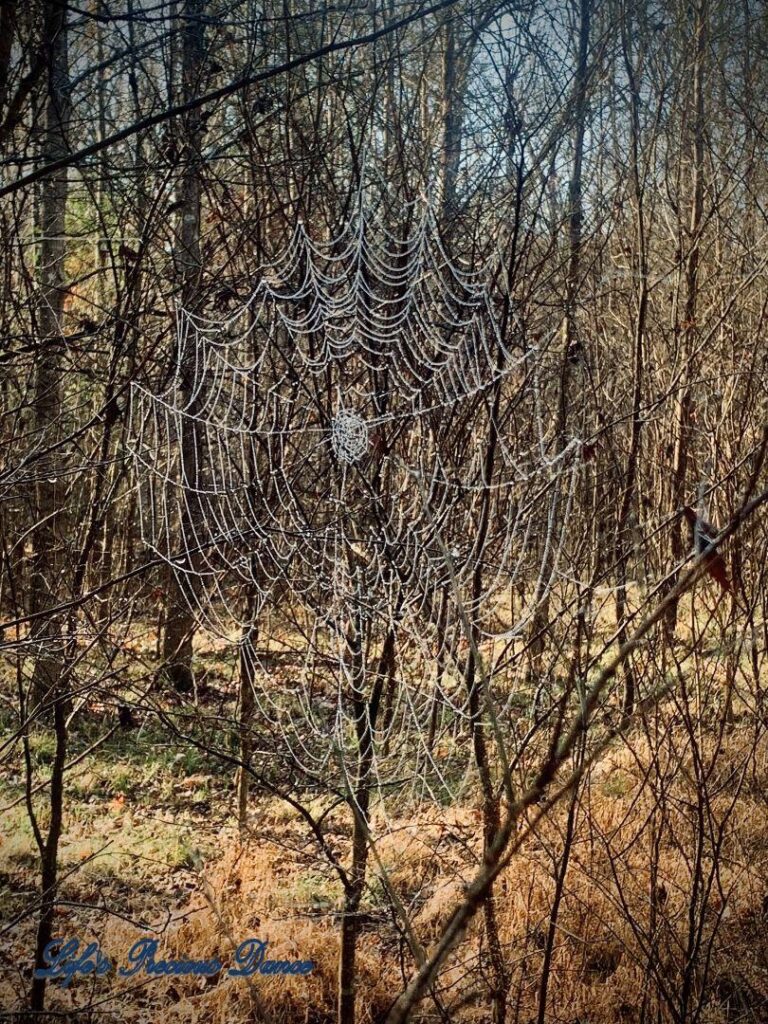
{"x": 322, "y": 448}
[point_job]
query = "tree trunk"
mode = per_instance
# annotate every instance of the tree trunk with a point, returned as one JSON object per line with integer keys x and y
{"x": 688, "y": 328}
{"x": 573, "y": 274}
{"x": 629, "y": 483}
{"x": 50, "y": 857}
{"x": 452, "y": 123}
{"x": 359, "y": 801}
{"x": 477, "y": 695}
{"x": 47, "y": 560}
{"x": 247, "y": 669}
{"x": 350, "y": 922}
{"x": 179, "y": 619}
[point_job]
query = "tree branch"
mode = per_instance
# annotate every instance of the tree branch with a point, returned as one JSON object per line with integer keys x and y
{"x": 218, "y": 94}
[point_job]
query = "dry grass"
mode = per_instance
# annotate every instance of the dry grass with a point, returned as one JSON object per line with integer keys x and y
{"x": 624, "y": 927}
{"x": 670, "y": 841}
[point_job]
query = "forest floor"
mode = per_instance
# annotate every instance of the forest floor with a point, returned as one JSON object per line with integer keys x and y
{"x": 666, "y": 849}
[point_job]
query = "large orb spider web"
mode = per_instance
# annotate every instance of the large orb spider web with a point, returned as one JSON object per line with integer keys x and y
{"x": 322, "y": 448}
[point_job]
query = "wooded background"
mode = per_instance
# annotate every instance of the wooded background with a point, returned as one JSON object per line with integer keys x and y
{"x": 582, "y": 834}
